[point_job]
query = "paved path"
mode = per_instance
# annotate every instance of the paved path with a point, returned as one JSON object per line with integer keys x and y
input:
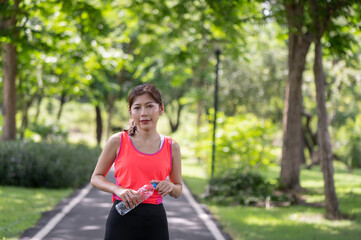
{"x": 83, "y": 217}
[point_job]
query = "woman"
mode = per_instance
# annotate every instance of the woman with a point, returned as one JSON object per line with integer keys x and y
{"x": 140, "y": 156}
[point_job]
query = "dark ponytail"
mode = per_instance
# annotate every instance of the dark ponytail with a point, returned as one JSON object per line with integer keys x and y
{"x": 138, "y": 91}
{"x": 132, "y": 127}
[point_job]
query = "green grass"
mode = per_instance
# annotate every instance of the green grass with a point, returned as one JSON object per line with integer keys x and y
{"x": 21, "y": 208}
{"x": 194, "y": 176}
{"x": 295, "y": 222}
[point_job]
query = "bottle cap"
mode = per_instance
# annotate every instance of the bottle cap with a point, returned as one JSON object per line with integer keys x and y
{"x": 154, "y": 185}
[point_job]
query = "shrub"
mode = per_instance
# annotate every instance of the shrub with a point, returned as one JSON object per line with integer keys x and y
{"x": 239, "y": 187}
{"x": 241, "y": 142}
{"x": 50, "y": 165}
{"x": 348, "y": 143}
{"x": 49, "y": 133}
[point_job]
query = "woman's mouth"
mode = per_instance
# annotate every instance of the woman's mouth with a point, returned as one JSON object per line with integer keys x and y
{"x": 145, "y": 121}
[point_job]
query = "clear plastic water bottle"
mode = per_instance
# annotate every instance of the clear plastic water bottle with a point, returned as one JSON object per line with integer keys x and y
{"x": 145, "y": 192}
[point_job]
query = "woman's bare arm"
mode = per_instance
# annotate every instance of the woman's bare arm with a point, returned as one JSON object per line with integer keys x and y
{"x": 105, "y": 162}
{"x": 174, "y": 186}
{"x": 175, "y": 175}
{"x": 98, "y": 179}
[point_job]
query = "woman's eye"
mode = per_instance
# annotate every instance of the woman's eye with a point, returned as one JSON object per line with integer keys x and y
{"x": 149, "y": 106}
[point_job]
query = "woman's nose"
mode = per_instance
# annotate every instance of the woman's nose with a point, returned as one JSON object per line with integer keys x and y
{"x": 144, "y": 111}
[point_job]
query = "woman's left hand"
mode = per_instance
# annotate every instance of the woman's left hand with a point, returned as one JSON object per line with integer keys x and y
{"x": 163, "y": 187}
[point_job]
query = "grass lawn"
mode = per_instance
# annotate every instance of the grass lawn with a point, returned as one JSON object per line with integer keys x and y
{"x": 21, "y": 208}
{"x": 295, "y": 222}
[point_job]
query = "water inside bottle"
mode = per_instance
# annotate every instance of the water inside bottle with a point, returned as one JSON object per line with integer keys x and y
{"x": 145, "y": 192}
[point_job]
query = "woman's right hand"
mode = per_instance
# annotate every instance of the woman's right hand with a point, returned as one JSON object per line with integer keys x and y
{"x": 130, "y": 197}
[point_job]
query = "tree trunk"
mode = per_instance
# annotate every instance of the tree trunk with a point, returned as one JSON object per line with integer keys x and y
{"x": 111, "y": 101}
{"x": 325, "y": 148}
{"x": 174, "y": 126}
{"x": 304, "y": 145}
{"x": 9, "y": 57}
{"x": 38, "y": 103}
{"x": 62, "y": 102}
{"x": 9, "y": 91}
{"x": 99, "y": 125}
{"x": 298, "y": 45}
{"x": 292, "y": 124}
{"x": 24, "y": 119}
{"x": 199, "y": 112}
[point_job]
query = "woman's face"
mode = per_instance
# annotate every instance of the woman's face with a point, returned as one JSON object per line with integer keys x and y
{"x": 145, "y": 111}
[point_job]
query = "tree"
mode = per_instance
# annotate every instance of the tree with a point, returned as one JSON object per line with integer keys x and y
{"x": 307, "y": 22}
{"x": 322, "y": 14}
{"x": 320, "y": 23}
{"x": 8, "y": 21}
{"x": 51, "y": 52}
{"x": 299, "y": 42}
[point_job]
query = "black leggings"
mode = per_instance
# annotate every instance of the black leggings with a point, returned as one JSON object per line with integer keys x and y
{"x": 146, "y": 221}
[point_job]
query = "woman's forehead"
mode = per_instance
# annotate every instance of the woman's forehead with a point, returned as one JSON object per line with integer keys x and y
{"x": 143, "y": 99}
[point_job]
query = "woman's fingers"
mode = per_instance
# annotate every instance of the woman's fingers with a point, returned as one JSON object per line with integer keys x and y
{"x": 168, "y": 189}
{"x": 135, "y": 198}
{"x": 164, "y": 187}
{"x": 127, "y": 200}
{"x": 131, "y": 198}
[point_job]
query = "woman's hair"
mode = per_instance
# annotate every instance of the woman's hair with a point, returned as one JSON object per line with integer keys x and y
{"x": 140, "y": 90}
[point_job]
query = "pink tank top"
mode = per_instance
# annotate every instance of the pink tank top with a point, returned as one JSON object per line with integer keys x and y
{"x": 133, "y": 169}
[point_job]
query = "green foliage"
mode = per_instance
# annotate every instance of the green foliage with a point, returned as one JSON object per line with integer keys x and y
{"x": 349, "y": 138}
{"x": 239, "y": 187}
{"x": 241, "y": 142}
{"x": 51, "y": 165}
{"x": 256, "y": 81}
{"x": 49, "y": 132}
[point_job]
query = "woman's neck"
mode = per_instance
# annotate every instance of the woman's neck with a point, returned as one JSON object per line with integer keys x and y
{"x": 147, "y": 135}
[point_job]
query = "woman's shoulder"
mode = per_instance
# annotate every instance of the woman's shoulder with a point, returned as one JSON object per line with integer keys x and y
{"x": 174, "y": 144}
{"x": 115, "y": 139}
{"x": 170, "y": 139}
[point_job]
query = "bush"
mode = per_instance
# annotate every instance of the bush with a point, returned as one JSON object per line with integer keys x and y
{"x": 348, "y": 143}
{"x": 49, "y": 133}
{"x": 238, "y": 187}
{"x": 50, "y": 165}
{"x": 241, "y": 142}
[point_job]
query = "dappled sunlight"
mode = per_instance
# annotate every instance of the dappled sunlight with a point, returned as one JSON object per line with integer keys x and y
{"x": 93, "y": 202}
{"x": 184, "y": 222}
{"x": 311, "y": 184}
{"x": 351, "y": 190}
{"x": 21, "y": 207}
{"x": 295, "y": 222}
{"x": 307, "y": 218}
{"x": 318, "y": 219}
{"x": 18, "y": 201}
{"x": 39, "y": 196}
{"x": 254, "y": 220}
{"x": 311, "y": 178}
{"x": 91, "y": 227}
{"x": 315, "y": 198}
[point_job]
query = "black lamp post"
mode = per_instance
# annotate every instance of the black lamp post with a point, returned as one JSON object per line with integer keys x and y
{"x": 218, "y": 52}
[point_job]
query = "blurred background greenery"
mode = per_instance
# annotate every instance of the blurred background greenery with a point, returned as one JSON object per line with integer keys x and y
{"x": 68, "y": 66}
